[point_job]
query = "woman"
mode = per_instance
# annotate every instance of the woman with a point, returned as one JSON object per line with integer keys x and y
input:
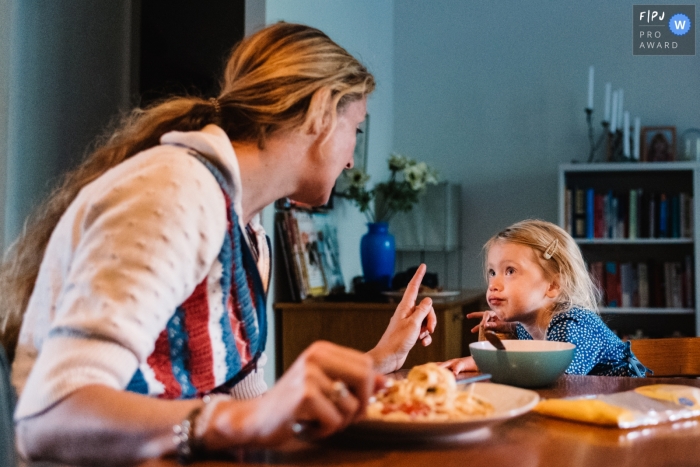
{"x": 146, "y": 271}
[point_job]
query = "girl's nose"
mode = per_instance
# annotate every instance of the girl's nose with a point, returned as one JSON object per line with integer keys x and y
{"x": 495, "y": 284}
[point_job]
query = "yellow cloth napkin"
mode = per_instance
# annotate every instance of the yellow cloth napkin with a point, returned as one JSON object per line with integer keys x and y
{"x": 584, "y": 410}
{"x": 630, "y": 408}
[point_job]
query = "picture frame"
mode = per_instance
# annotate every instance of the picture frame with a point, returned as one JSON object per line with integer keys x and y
{"x": 658, "y": 143}
{"x": 329, "y": 250}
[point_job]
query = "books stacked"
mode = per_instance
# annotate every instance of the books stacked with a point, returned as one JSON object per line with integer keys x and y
{"x": 308, "y": 250}
{"x": 631, "y": 214}
{"x": 651, "y": 284}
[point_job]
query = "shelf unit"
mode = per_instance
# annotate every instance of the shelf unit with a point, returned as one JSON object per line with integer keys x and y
{"x": 430, "y": 233}
{"x": 667, "y": 177}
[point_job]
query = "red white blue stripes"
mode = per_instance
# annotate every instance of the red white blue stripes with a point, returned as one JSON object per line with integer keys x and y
{"x": 214, "y": 337}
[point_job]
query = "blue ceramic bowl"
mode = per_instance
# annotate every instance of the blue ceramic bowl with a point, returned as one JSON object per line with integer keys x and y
{"x": 527, "y": 364}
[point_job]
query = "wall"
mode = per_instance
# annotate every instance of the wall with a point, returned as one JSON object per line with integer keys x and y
{"x": 69, "y": 73}
{"x": 5, "y": 13}
{"x": 493, "y": 95}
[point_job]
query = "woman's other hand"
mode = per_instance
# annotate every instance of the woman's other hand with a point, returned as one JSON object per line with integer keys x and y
{"x": 409, "y": 324}
{"x": 324, "y": 390}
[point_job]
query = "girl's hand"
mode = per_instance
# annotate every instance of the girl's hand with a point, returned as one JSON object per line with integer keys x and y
{"x": 458, "y": 365}
{"x": 327, "y": 388}
{"x": 490, "y": 321}
{"x": 409, "y": 324}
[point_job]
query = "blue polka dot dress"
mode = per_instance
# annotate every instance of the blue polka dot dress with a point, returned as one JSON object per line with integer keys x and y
{"x": 598, "y": 350}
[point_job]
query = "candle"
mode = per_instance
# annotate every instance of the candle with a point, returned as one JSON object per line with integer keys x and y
{"x": 613, "y": 119}
{"x": 590, "y": 87}
{"x": 637, "y": 141}
{"x": 620, "y": 96}
{"x": 608, "y": 89}
{"x": 626, "y": 134}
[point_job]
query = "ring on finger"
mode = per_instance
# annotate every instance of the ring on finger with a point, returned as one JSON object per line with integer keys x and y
{"x": 339, "y": 391}
{"x": 303, "y": 429}
{"x": 298, "y": 428}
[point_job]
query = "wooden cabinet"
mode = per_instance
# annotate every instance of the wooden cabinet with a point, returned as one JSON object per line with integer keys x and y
{"x": 360, "y": 325}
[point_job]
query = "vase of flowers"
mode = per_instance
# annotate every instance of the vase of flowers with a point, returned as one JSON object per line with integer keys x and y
{"x": 406, "y": 183}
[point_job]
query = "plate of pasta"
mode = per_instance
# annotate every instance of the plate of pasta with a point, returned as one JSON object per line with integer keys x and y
{"x": 428, "y": 402}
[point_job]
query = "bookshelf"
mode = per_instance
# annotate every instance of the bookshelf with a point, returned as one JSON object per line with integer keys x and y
{"x": 640, "y": 217}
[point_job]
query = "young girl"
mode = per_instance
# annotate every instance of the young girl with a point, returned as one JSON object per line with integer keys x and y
{"x": 539, "y": 288}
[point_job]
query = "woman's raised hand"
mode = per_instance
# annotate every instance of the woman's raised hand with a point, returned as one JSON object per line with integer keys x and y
{"x": 324, "y": 390}
{"x": 409, "y": 324}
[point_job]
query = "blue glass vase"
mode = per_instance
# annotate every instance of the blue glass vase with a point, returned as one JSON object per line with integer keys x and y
{"x": 378, "y": 254}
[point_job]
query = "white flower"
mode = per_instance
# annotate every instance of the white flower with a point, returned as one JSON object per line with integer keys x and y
{"x": 357, "y": 177}
{"x": 414, "y": 175}
{"x": 398, "y": 162}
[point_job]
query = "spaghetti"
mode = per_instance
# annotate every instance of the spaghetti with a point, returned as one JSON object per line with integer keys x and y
{"x": 429, "y": 393}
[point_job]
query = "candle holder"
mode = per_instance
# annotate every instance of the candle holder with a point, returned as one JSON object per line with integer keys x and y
{"x": 615, "y": 148}
{"x": 595, "y": 145}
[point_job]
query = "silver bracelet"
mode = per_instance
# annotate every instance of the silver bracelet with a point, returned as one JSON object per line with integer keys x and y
{"x": 188, "y": 434}
{"x": 186, "y": 444}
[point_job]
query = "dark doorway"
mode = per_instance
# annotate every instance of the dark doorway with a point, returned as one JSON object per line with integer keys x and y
{"x": 183, "y": 45}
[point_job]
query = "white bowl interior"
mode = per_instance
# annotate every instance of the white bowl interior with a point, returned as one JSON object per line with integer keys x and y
{"x": 526, "y": 345}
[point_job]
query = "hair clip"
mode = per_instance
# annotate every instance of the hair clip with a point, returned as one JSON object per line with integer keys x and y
{"x": 550, "y": 249}
{"x": 215, "y": 102}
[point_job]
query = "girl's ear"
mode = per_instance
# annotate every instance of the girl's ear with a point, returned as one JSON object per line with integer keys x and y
{"x": 554, "y": 287}
{"x": 318, "y": 117}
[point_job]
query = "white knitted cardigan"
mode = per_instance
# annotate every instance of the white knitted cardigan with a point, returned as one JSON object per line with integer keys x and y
{"x": 116, "y": 294}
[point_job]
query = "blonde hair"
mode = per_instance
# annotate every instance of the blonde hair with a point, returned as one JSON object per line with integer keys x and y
{"x": 559, "y": 256}
{"x": 268, "y": 84}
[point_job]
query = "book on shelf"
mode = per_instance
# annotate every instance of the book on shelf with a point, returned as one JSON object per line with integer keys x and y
{"x": 643, "y": 220}
{"x": 597, "y": 271}
{"x": 688, "y": 281}
{"x": 590, "y": 201}
{"x": 599, "y": 216}
{"x": 657, "y": 285}
{"x": 579, "y": 210}
{"x": 663, "y": 216}
{"x": 675, "y": 217}
{"x": 296, "y": 254}
{"x": 643, "y": 284}
{"x": 287, "y": 282}
{"x": 622, "y": 216}
{"x": 612, "y": 285}
{"x": 647, "y": 284}
{"x": 633, "y": 227}
{"x": 630, "y": 214}
{"x": 652, "y": 215}
{"x": 627, "y": 285}
{"x": 567, "y": 212}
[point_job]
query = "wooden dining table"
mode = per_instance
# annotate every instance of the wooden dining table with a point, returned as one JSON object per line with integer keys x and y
{"x": 526, "y": 441}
